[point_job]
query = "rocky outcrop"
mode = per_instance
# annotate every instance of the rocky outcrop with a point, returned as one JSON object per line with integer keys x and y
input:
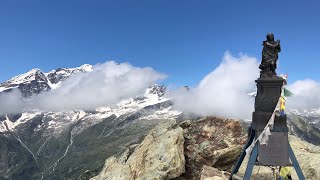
{"x": 211, "y": 173}
{"x": 211, "y": 148}
{"x": 160, "y": 156}
{"x": 169, "y": 149}
{"x": 213, "y": 142}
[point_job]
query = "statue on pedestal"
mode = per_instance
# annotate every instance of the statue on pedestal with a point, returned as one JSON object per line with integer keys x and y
{"x": 268, "y": 143}
{"x": 270, "y": 52}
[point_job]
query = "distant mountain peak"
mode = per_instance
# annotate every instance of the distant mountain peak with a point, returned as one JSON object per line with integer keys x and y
{"x": 28, "y": 76}
{"x": 86, "y": 67}
{"x": 34, "y": 70}
{"x": 156, "y": 89}
{"x": 60, "y": 74}
{"x": 35, "y": 81}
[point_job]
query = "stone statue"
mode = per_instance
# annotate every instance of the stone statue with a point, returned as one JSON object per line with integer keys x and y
{"x": 270, "y": 52}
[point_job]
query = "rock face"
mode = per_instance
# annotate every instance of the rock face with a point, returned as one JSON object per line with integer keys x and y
{"x": 32, "y": 82}
{"x": 159, "y": 156}
{"x": 212, "y": 142}
{"x": 305, "y": 127}
{"x": 61, "y": 74}
{"x": 211, "y": 173}
{"x": 211, "y": 147}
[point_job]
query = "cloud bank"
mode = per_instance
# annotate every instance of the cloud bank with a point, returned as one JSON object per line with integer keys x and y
{"x": 11, "y": 102}
{"x": 107, "y": 84}
{"x": 306, "y": 95}
{"x": 224, "y": 91}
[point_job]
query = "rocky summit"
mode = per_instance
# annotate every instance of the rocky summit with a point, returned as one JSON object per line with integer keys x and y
{"x": 210, "y": 149}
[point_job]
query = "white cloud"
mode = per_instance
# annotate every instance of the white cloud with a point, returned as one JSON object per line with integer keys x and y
{"x": 11, "y": 102}
{"x": 223, "y": 92}
{"x": 107, "y": 84}
{"x": 306, "y": 95}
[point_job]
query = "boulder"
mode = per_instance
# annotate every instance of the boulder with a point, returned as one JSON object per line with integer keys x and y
{"x": 212, "y": 142}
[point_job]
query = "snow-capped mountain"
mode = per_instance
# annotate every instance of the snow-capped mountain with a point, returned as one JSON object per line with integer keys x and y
{"x": 31, "y": 82}
{"x": 314, "y": 113}
{"x": 48, "y": 143}
{"x": 56, "y": 76}
{"x": 75, "y": 144}
{"x": 305, "y": 124}
{"x": 62, "y": 145}
{"x": 35, "y": 81}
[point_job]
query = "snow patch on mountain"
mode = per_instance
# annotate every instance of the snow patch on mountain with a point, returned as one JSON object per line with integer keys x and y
{"x": 54, "y": 86}
{"x": 58, "y": 122}
{"x": 26, "y": 116}
{"x": 86, "y": 68}
{"x": 307, "y": 113}
{"x": 6, "y": 88}
{"x": 166, "y": 113}
{"x": 55, "y": 77}
{"x": 52, "y": 79}
{"x": 2, "y": 128}
{"x": 26, "y": 77}
{"x": 129, "y": 106}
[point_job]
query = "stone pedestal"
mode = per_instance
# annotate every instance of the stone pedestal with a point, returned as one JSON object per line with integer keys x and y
{"x": 268, "y": 94}
{"x": 275, "y": 153}
{"x": 278, "y": 151}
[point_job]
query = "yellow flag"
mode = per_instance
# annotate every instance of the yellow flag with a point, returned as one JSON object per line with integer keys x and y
{"x": 285, "y": 171}
{"x": 282, "y": 104}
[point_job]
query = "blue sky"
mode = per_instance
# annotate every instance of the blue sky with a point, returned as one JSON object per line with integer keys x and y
{"x": 184, "y": 39}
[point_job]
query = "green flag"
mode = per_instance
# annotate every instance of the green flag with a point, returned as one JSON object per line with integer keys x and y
{"x": 287, "y": 93}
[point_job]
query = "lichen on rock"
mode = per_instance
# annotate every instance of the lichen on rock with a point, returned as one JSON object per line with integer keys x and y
{"x": 211, "y": 142}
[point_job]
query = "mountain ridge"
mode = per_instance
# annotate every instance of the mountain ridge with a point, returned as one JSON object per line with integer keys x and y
{"x": 36, "y": 81}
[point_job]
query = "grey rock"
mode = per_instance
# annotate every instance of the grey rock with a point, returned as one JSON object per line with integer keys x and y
{"x": 160, "y": 156}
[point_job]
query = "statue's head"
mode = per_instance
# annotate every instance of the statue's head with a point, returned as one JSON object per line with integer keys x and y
{"x": 270, "y": 37}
